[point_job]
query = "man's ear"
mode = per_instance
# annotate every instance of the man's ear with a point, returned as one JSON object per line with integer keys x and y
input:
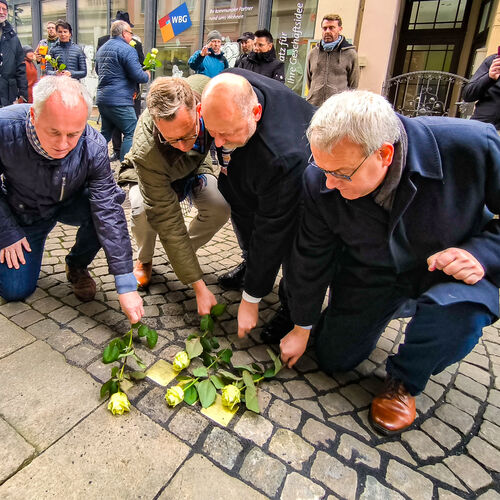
{"x": 257, "y": 112}
{"x": 387, "y": 153}
{"x": 32, "y": 114}
{"x": 198, "y": 108}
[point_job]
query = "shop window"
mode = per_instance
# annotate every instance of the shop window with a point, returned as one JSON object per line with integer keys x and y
{"x": 21, "y": 21}
{"x": 437, "y": 14}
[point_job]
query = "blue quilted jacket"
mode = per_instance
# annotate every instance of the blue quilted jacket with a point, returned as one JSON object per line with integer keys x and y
{"x": 32, "y": 187}
{"x": 119, "y": 70}
{"x": 72, "y": 55}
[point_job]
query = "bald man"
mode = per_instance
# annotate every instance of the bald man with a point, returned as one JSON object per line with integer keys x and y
{"x": 264, "y": 123}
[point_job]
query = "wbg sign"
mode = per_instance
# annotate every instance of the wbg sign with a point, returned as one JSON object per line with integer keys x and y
{"x": 175, "y": 23}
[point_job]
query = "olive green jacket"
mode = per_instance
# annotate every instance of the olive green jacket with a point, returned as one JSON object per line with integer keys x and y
{"x": 155, "y": 167}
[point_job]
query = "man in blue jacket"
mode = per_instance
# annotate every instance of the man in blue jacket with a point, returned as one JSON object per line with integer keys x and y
{"x": 210, "y": 60}
{"x": 119, "y": 70}
{"x": 398, "y": 213}
{"x": 55, "y": 168}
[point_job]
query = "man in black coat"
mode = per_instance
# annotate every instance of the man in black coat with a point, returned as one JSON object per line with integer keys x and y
{"x": 263, "y": 123}
{"x": 262, "y": 59}
{"x": 13, "y": 83}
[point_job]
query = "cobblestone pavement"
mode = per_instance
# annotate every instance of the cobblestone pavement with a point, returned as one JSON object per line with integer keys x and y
{"x": 311, "y": 440}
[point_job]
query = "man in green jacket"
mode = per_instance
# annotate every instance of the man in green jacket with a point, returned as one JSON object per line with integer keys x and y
{"x": 167, "y": 163}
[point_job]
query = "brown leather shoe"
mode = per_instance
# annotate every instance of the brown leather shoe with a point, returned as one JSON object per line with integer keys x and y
{"x": 142, "y": 273}
{"x": 393, "y": 410}
{"x": 83, "y": 285}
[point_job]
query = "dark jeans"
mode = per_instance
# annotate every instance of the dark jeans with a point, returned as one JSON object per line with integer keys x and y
{"x": 17, "y": 284}
{"x": 436, "y": 337}
{"x": 122, "y": 118}
{"x": 116, "y": 138}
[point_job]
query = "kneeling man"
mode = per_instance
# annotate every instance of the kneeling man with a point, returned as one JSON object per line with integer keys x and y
{"x": 396, "y": 209}
{"x": 55, "y": 168}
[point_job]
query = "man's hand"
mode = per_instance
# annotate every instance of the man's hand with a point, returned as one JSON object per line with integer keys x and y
{"x": 66, "y": 73}
{"x": 293, "y": 345}
{"x": 494, "y": 72}
{"x": 13, "y": 254}
{"x": 205, "y": 299}
{"x": 131, "y": 304}
{"x": 248, "y": 315}
{"x": 204, "y": 50}
{"x": 459, "y": 263}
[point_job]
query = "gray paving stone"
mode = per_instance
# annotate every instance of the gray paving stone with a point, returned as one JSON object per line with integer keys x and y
{"x": 335, "y": 404}
{"x": 82, "y": 324}
{"x": 358, "y": 396}
{"x": 254, "y": 427}
{"x": 63, "y": 315}
{"x": 320, "y": 381}
{"x": 14, "y": 451}
{"x": 469, "y": 471}
{"x": 91, "y": 308}
{"x": 37, "y": 374}
{"x": 82, "y": 354}
{"x": 447, "y": 495}
{"x": 484, "y": 453}
{"x": 494, "y": 397}
{"x": 397, "y": 450}
{"x": 290, "y": 448}
{"x": 441, "y": 472}
{"x": 443, "y": 378}
{"x": 423, "y": 403}
{"x": 408, "y": 481}
{"x": 100, "y": 334}
{"x": 154, "y": 405}
{"x": 350, "y": 448}
{"x": 489, "y": 495}
{"x": 46, "y": 305}
{"x": 422, "y": 444}
{"x": 186, "y": 424}
{"x": 109, "y": 317}
{"x": 492, "y": 414}
{"x": 222, "y": 447}
{"x": 12, "y": 308}
{"x": 83, "y": 458}
{"x": 27, "y": 318}
{"x": 43, "y": 329}
{"x": 469, "y": 386}
{"x": 463, "y": 402}
{"x": 190, "y": 483}
{"x": 285, "y": 415}
{"x": 490, "y": 432}
{"x": 63, "y": 340}
{"x": 433, "y": 390}
{"x": 455, "y": 417}
{"x": 264, "y": 472}
{"x": 12, "y": 337}
{"x": 36, "y": 295}
{"x": 101, "y": 371}
{"x": 298, "y": 487}
{"x": 475, "y": 373}
{"x": 299, "y": 389}
{"x": 347, "y": 422}
{"x": 311, "y": 407}
{"x": 334, "y": 475}
{"x": 276, "y": 388}
{"x": 443, "y": 434}
{"x": 477, "y": 359}
{"x": 373, "y": 385}
{"x": 317, "y": 433}
{"x": 376, "y": 491}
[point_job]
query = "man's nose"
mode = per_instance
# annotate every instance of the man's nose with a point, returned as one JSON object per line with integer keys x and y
{"x": 219, "y": 141}
{"x": 331, "y": 182}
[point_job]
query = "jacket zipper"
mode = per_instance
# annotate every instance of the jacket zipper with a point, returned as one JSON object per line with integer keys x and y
{"x": 63, "y": 184}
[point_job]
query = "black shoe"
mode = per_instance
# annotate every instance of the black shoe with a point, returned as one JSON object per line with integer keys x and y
{"x": 114, "y": 157}
{"x": 277, "y": 328}
{"x": 234, "y": 279}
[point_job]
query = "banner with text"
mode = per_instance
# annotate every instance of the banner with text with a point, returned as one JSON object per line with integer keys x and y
{"x": 175, "y": 22}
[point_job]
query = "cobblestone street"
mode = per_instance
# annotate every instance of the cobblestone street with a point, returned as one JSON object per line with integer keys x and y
{"x": 311, "y": 440}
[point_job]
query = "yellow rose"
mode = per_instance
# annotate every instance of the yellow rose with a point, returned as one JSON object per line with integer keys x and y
{"x": 230, "y": 396}
{"x": 132, "y": 43}
{"x": 118, "y": 403}
{"x": 174, "y": 396}
{"x": 181, "y": 361}
{"x": 48, "y": 58}
{"x": 153, "y": 56}
{"x": 154, "y": 51}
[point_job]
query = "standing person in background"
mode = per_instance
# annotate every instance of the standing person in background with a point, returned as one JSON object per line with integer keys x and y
{"x": 332, "y": 66}
{"x": 31, "y": 72}
{"x": 246, "y": 41}
{"x": 45, "y": 44}
{"x": 484, "y": 88}
{"x": 13, "y": 82}
{"x": 69, "y": 53}
{"x": 263, "y": 58}
{"x": 119, "y": 70}
{"x": 210, "y": 60}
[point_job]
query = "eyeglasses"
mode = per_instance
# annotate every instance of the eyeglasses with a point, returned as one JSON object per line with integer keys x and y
{"x": 335, "y": 174}
{"x": 129, "y": 32}
{"x": 187, "y": 138}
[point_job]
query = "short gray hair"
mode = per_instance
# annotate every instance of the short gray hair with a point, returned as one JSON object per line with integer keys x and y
{"x": 70, "y": 90}
{"x": 118, "y": 27}
{"x": 167, "y": 95}
{"x": 363, "y": 117}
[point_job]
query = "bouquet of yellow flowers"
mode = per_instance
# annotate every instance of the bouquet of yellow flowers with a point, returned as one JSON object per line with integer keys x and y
{"x": 55, "y": 63}
{"x": 150, "y": 61}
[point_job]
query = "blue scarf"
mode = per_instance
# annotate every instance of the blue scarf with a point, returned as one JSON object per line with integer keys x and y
{"x": 328, "y": 47}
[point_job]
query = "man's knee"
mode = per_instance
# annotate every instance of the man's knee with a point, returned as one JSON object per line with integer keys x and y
{"x": 16, "y": 292}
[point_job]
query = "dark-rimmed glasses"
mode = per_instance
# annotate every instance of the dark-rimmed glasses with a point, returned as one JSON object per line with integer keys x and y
{"x": 187, "y": 138}
{"x": 335, "y": 174}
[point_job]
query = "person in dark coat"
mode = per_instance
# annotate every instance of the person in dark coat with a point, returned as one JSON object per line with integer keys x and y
{"x": 69, "y": 53}
{"x": 398, "y": 220}
{"x": 263, "y": 58}
{"x": 484, "y": 88}
{"x": 263, "y": 123}
{"x": 13, "y": 83}
{"x": 246, "y": 41}
{"x": 31, "y": 72}
{"x": 54, "y": 168}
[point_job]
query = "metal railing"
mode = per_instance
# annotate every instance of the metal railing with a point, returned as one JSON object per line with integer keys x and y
{"x": 428, "y": 93}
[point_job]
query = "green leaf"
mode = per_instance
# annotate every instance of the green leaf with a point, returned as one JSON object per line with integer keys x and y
{"x": 206, "y": 344}
{"x": 218, "y": 310}
{"x": 139, "y": 361}
{"x": 206, "y": 392}
{"x": 105, "y": 388}
{"x": 208, "y": 360}
{"x": 136, "y": 325}
{"x": 192, "y": 336}
{"x": 277, "y": 361}
{"x": 214, "y": 343}
{"x": 193, "y": 347}
{"x": 228, "y": 375}
{"x": 201, "y": 371}
{"x": 225, "y": 355}
{"x": 152, "y": 338}
{"x": 244, "y": 367}
{"x": 114, "y": 387}
{"x": 257, "y": 368}
{"x": 251, "y": 400}
{"x": 269, "y": 373}
{"x": 114, "y": 371}
{"x": 62, "y": 66}
{"x": 182, "y": 378}
{"x": 110, "y": 353}
{"x": 191, "y": 395}
{"x": 143, "y": 330}
{"x": 207, "y": 323}
{"x": 217, "y": 381}
{"x": 137, "y": 375}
